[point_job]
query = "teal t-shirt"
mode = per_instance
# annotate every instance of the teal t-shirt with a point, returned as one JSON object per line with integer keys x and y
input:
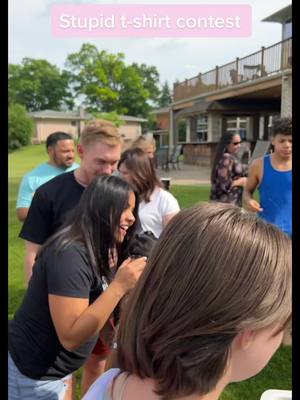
{"x": 35, "y": 178}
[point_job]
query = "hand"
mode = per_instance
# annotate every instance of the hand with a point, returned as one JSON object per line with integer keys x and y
{"x": 253, "y": 205}
{"x": 239, "y": 182}
{"x": 129, "y": 273}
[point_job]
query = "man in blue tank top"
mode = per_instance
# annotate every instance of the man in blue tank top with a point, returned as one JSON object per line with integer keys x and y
{"x": 272, "y": 176}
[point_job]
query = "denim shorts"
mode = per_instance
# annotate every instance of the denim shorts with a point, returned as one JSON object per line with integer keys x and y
{"x": 20, "y": 387}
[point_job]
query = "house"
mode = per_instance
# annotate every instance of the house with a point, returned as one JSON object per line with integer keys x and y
{"x": 241, "y": 96}
{"x": 72, "y": 122}
{"x": 162, "y": 123}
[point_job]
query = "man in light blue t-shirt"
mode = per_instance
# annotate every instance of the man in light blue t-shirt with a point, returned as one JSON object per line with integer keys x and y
{"x": 60, "y": 148}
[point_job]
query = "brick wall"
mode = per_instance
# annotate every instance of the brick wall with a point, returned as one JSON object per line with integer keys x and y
{"x": 162, "y": 121}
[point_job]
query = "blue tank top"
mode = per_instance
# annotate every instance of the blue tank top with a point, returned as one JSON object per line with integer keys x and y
{"x": 275, "y": 192}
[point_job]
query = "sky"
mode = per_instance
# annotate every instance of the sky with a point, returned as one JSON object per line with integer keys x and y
{"x": 175, "y": 58}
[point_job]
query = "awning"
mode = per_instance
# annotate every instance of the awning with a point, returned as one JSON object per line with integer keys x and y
{"x": 234, "y": 106}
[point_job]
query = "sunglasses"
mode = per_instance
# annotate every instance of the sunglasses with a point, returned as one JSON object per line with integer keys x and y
{"x": 236, "y": 143}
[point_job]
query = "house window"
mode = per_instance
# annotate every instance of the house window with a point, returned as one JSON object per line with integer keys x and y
{"x": 238, "y": 125}
{"x": 202, "y": 128}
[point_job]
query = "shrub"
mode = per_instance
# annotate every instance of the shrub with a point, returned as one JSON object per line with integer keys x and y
{"x": 20, "y": 127}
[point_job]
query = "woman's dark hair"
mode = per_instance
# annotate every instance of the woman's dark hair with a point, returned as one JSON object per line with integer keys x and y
{"x": 142, "y": 172}
{"x": 95, "y": 222}
{"x": 225, "y": 140}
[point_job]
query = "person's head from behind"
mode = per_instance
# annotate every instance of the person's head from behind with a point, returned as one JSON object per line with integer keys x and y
{"x": 137, "y": 168}
{"x": 282, "y": 139}
{"x": 60, "y": 148}
{"x": 146, "y": 144}
{"x": 230, "y": 142}
{"x": 99, "y": 148}
{"x": 104, "y": 219}
{"x": 211, "y": 305}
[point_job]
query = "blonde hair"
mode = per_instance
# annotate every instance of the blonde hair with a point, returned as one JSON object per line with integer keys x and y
{"x": 127, "y": 143}
{"x": 99, "y": 130}
{"x": 143, "y": 143}
{"x": 215, "y": 271}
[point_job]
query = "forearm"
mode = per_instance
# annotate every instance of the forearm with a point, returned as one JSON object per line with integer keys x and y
{"x": 94, "y": 317}
{"x": 247, "y": 195}
{"x": 249, "y": 202}
{"x": 22, "y": 213}
{"x": 31, "y": 250}
{"x": 239, "y": 182}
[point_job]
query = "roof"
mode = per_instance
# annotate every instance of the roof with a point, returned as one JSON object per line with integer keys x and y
{"x": 52, "y": 114}
{"x": 75, "y": 115}
{"x": 282, "y": 16}
{"x": 236, "y": 106}
{"x": 201, "y": 106}
{"x": 129, "y": 118}
{"x": 162, "y": 110}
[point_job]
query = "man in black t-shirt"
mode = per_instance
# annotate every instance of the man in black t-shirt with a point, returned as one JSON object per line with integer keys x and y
{"x": 99, "y": 150}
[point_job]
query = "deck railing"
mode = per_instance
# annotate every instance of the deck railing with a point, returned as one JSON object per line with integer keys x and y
{"x": 267, "y": 61}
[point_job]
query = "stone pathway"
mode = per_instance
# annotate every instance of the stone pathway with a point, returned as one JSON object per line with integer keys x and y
{"x": 186, "y": 175}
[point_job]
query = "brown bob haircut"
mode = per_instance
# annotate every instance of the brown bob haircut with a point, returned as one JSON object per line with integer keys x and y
{"x": 215, "y": 271}
{"x": 142, "y": 172}
{"x": 99, "y": 130}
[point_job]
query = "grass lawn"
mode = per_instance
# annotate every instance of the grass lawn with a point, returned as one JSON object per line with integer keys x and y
{"x": 277, "y": 375}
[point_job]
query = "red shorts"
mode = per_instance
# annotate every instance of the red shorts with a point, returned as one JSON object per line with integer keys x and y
{"x": 106, "y": 335}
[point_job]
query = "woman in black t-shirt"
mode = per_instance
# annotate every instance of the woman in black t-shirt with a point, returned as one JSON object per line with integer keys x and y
{"x": 78, "y": 280}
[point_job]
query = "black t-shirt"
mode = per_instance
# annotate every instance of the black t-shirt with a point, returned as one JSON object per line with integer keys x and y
{"x": 51, "y": 204}
{"x": 33, "y": 342}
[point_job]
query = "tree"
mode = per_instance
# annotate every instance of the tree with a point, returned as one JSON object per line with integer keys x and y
{"x": 20, "y": 126}
{"x": 110, "y": 116}
{"x": 38, "y": 85}
{"x": 107, "y": 83}
{"x": 165, "y": 97}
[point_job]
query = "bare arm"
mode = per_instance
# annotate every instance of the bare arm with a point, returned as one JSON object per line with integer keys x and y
{"x": 167, "y": 218}
{"x": 22, "y": 213}
{"x": 239, "y": 182}
{"x": 252, "y": 183}
{"x": 31, "y": 250}
{"x": 76, "y": 321}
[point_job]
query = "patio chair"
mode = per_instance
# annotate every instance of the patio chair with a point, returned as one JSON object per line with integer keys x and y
{"x": 162, "y": 157}
{"x": 174, "y": 158}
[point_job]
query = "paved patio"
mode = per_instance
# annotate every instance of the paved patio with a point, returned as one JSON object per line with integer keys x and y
{"x": 186, "y": 175}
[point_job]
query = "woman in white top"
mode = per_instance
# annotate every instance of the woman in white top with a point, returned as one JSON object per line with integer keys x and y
{"x": 157, "y": 206}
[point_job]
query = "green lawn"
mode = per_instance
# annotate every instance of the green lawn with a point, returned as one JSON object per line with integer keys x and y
{"x": 277, "y": 375}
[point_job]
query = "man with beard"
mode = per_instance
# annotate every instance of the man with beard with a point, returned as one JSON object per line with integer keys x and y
{"x": 60, "y": 148}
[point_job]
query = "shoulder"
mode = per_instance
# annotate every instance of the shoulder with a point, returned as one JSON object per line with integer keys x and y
{"x": 256, "y": 165}
{"x": 58, "y": 182}
{"x": 166, "y": 198}
{"x": 226, "y": 159}
{"x": 100, "y": 386}
{"x": 73, "y": 166}
{"x": 68, "y": 270}
{"x": 35, "y": 172}
{"x": 164, "y": 194}
{"x": 68, "y": 258}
